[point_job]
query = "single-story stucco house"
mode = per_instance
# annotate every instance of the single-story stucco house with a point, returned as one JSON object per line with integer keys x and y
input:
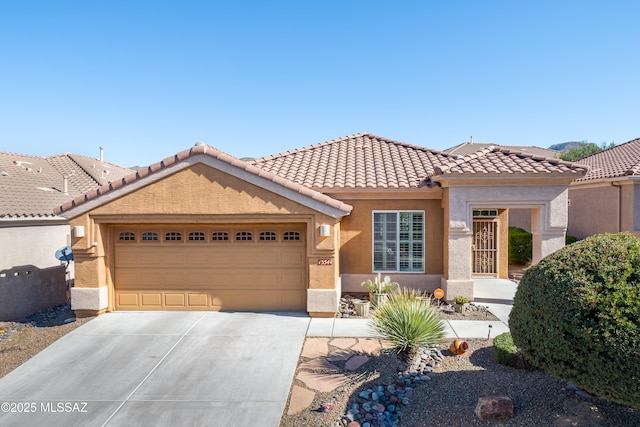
{"x": 607, "y": 199}
{"x": 202, "y": 230}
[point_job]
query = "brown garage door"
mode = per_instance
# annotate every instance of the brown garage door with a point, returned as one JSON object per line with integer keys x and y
{"x": 236, "y": 267}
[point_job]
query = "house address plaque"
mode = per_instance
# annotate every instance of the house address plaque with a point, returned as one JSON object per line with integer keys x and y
{"x": 328, "y": 261}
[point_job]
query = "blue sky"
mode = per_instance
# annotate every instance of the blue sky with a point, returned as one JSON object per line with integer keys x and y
{"x": 148, "y": 79}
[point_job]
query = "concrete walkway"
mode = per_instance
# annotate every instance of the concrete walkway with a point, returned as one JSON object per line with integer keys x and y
{"x": 360, "y": 328}
{"x": 496, "y": 294}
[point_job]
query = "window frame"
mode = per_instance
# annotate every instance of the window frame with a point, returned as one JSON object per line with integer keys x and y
{"x": 173, "y": 236}
{"x": 219, "y": 236}
{"x": 399, "y": 242}
{"x": 150, "y": 236}
{"x": 244, "y": 236}
{"x": 291, "y": 236}
{"x": 127, "y": 236}
{"x": 267, "y": 236}
{"x": 196, "y": 236}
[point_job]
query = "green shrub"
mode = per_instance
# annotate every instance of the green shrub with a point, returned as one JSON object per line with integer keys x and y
{"x": 576, "y": 315}
{"x": 570, "y": 239}
{"x": 408, "y": 321}
{"x": 461, "y": 299}
{"x": 507, "y": 353}
{"x": 520, "y": 247}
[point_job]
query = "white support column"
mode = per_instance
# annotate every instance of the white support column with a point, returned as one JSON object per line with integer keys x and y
{"x": 458, "y": 279}
{"x": 548, "y": 227}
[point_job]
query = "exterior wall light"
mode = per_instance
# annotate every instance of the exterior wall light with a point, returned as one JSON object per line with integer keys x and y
{"x": 325, "y": 230}
{"x": 78, "y": 231}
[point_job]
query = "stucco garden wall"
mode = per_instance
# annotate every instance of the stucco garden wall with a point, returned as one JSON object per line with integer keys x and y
{"x": 32, "y": 244}
{"x": 520, "y": 218}
{"x": 593, "y": 210}
{"x": 25, "y": 290}
{"x": 604, "y": 207}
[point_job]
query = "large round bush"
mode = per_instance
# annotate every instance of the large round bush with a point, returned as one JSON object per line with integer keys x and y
{"x": 576, "y": 315}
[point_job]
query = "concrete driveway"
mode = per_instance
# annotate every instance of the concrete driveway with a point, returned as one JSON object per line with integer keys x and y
{"x": 160, "y": 369}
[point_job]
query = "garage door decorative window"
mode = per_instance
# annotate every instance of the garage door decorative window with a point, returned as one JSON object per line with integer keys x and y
{"x": 127, "y": 236}
{"x": 172, "y": 236}
{"x": 196, "y": 235}
{"x": 267, "y": 235}
{"x": 291, "y": 235}
{"x": 149, "y": 236}
{"x": 244, "y": 235}
{"x": 220, "y": 235}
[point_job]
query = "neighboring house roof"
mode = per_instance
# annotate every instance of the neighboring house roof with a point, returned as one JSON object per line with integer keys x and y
{"x": 31, "y": 186}
{"x": 497, "y": 160}
{"x": 471, "y": 147}
{"x": 362, "y": 160}
{"x": 621, "y": 160}
{"x": 223, "y": 161}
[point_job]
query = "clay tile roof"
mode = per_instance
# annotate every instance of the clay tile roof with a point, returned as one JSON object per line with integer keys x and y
{"x": 467, "y": 148}
{"x": 32, "y": 186}
{"x": 495, "y": 160}
{"x": 621, "y": 160}
{"x": 362, "y": 160}
{"x": 208, "y": 151}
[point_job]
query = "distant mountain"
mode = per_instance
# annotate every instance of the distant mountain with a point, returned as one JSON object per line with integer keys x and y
{"x": 564, "y": 146}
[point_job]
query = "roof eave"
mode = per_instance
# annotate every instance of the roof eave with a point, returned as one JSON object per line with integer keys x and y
{"x": 502, "y": 178}
{"x": 31, "y": 220}
{"x": 605, "y": 180}
{"x": 221, "y": 161}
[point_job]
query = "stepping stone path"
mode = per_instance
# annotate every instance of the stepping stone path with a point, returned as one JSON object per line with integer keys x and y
{"x": 320, "y": 374}
{"x": 378, "y": 406}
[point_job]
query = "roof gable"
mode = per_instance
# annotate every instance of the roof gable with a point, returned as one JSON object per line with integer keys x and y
{"x": 621, "y": 160}
{"x": 214, "y": 158}
{"x": 362, "y": 160}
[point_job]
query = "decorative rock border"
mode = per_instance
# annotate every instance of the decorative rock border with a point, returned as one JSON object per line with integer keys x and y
{"x": 374, "y": 407}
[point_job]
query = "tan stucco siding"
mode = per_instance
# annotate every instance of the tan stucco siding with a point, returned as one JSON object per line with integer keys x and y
{"x": 605, "y": 207}
{"x": 593, "y": 210}
{"x": 201, "y": 190}
{"x": 356, "y": 237}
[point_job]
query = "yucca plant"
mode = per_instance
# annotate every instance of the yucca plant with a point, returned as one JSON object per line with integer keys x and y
{"x": 409, "y": 321}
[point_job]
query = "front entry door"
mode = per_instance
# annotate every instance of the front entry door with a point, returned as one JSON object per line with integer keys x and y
{"x": 485, "y": 247}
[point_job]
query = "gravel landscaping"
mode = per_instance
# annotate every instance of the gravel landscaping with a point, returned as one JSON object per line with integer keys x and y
{"x": 446, "y": 311}
{"x": 450, "y": 396}
{"x": 22, "y": 339}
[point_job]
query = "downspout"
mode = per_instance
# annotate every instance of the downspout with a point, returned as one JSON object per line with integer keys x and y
{"x": 618, "y": 206}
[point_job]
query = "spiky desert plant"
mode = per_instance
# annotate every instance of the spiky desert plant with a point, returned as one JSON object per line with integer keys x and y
{"x": 408, "y": 320}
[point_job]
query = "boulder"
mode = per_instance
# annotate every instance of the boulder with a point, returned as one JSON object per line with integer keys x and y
{"x": 494, "y": 408}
